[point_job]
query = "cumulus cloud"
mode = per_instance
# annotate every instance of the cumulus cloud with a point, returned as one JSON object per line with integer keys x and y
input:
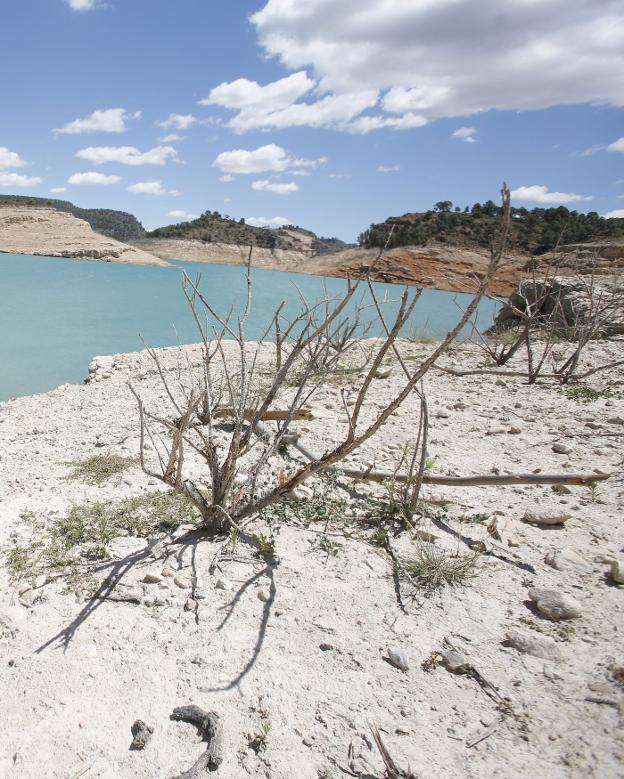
{"x": 466, "y": 134}
{"x": 538, "y": 193}
{"x": 268, "y": 221}
{"x": 266, "y": 159}
{"x": 617, "y": 214}
{"x": 172, "y": 138}
{"x": 58, "y": 190}
{"x": 226, "y": 178}
{"x": 177, "y": 122}
{"x": 109, "y": 120}
{"x": 361, "y": 65}
{"x": 388, "y": 168}
{"x": 82, "y": 5}
{"x": 92, "y": 179}
{"x": 128, "y": 155}
{"x": 10, "y": 159}
{"x": 150, "y": 188}
{"x": 16, "y": 180}
{"x": 279, "y": 189}
{"x": 185, "y": 215}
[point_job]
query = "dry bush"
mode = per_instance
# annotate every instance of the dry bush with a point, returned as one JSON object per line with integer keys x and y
{"x": 219, "y": 413}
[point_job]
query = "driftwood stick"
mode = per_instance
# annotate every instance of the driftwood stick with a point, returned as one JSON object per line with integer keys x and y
{"x": 272, "y": 415}
{"x": 209, "y": 725}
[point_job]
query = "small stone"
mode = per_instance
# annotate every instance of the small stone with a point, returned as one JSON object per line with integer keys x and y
{"x": 615, "y": 421}
{"x": 167, "y": 571}
{"x": 181, "y": 531}
{"x": 442, "y": 414}
{"x": 533, "y": 644}
{"x": 398, "y": 658}
{"x": 383, "y": 374}
{"x": 181, "y": 581}
{"x": 152, "y": 578}
{"x": 561, "y": 449}
{"x": 189, "y": 604}
{"x": 617, "y": 571}
{"x": 220, "y": 584}
{"x": 197, "y": 660}
{"x": 455, "y": 661}
{"x": 537, "y": 516}
{"x": 263, "y": 595}
{"x": 515, "y": 430}
{"x": 561, "y": 489}
{"x": 302, "y": 492}
{"x": 554, "y": 604}
{"x": 141, "y": 734}
{"x": 500, "y": 383}
{"x": 325, "y": 647}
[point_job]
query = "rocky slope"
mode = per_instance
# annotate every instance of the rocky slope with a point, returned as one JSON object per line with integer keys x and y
{"x": 45, "y": 231}
{"x": 440, "y": 267}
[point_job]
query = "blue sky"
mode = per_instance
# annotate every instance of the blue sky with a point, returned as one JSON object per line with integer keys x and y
{"x": 330, "y": 114}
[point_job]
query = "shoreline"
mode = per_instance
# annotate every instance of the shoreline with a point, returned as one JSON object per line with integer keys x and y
{"x": 137, "y": 659}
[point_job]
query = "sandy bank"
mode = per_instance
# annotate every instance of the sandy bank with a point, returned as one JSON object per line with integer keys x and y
{"x": 47, "y": 232}
{"x": 309, "y": 661}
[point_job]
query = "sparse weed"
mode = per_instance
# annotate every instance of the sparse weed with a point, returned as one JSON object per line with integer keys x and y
{"x": 100, "y": 468}
{"x": 432, "y": 567}
{"x": 584, "y": 394}
{"x": 324, "y": 543}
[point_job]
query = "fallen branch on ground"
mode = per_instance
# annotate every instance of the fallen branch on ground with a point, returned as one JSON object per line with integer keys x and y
{"x": 209, "y": 725}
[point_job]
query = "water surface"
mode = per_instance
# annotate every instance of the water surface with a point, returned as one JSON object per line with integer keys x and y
{"x": 56, "y": 314}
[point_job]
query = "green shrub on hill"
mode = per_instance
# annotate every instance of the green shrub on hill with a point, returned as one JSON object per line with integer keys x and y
{"x": 535, "y": 231}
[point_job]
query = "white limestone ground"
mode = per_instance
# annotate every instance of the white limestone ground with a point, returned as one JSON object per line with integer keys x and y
{"x": 76, "y": 675}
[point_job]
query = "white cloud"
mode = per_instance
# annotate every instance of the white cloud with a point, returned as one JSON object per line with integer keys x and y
{"x": 128, "y": 155}
{"x": 466, "y": 134}
{"x": 176, "y": 214}
{"x": 226, "y": 178}
{"x": 82, "y": 5}
{"x": 177, "y": 121}
{"x": 148, "y": 188}
{"x": 278, "y": 189}
{"x": 58, "y": 190}
{"x": 15, "y": 180}
{"x": 361, "y": 65}
{"x": 10, "y": 159}
{"x": 616, "y": 145}
{"x": 92, "y": 179}
{"x": 268, "y": 221}
{"x": 172, "y": 138}
{"x": 110, "y": 120}
{"x": 266, "y": 159}
{"x": 538, "y": 193}
{"x": 617, "y": 214}
{"x": 388, "y": 168}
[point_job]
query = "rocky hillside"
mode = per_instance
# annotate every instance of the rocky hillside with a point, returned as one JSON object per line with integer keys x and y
{"x": 45, "y": 231}
{"x": 115, "y": 224}
{"x": 533, "y": 232}
{"x": 213, "y": 228}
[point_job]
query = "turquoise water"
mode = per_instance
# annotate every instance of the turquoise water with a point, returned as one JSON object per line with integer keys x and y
{"x": 56, "y": 314}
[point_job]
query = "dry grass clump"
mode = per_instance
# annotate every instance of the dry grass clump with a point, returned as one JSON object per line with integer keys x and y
{"x": 432, "y": 567}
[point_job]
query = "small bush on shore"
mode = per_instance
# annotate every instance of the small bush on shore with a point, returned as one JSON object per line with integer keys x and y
{"x": 100, "y": 468}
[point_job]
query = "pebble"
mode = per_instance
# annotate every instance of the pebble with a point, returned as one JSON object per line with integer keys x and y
{"x": 455, "y": 661}
{"x": 302, "y": 492}
{"x": 561, "y": 489}
{"x": 561, "y": 449}
{"x": 398, "y": 658}
{"x": 515, "y": 430}
{"x": 617, "y": 571}
{"x": 615, "y": 421}
{"x": 220, "y": 584}
{"x": 168, "y": 571}
{"x": 325, "y": 647}
{"x": 532, "y": 644}
{"x": 189, "y": 604}
{"x": 442, "y": 415}
{"x": 554, "y": 604}
{"x": 263, "y": 595}
{"x": 545, "y": 517}
{"x": 152, "y": 578}
{"x": 181, "y": 581}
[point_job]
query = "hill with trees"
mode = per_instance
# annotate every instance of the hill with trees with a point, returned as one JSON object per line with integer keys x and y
{"x": 119, "y": 225}
{"x": 533, "y": 231}
{"x": 212, "y": 227}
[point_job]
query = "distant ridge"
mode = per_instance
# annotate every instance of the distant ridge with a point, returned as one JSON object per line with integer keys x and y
{"x": 119, "y": 225}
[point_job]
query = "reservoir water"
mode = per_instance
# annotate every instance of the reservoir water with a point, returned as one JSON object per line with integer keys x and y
{"x": 56, "y": 314}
